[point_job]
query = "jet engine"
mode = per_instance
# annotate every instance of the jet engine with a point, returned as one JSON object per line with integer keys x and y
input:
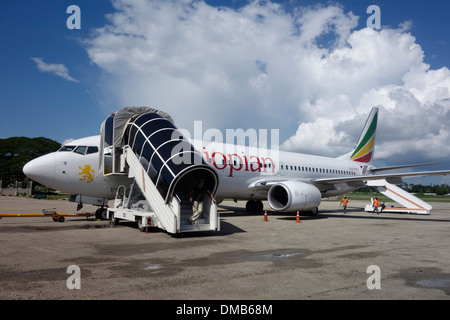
{"x": 294, "y": 195}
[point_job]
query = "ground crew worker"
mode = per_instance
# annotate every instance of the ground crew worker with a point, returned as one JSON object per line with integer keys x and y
{"x": 376, "y": 205}
{"x": 344, "y": 203}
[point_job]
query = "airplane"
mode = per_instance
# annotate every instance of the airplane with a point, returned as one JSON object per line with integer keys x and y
{"x": 289, "y": 181}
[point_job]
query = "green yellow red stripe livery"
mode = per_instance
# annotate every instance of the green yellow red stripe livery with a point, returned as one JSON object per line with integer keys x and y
{"x": 364, "y": 150}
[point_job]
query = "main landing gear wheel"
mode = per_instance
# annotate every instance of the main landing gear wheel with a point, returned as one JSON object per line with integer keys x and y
{"x": 101, "y": 214}
{"x": 315, "y": 211}
{"x": 254, "y": 206}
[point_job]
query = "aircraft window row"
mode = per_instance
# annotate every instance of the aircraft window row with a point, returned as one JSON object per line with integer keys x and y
{"x": 79, "y": 149}
{"x": 318, "y": 170}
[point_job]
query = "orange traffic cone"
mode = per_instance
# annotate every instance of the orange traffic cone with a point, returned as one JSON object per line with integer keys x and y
{"x": 265, "y": 216}
{"x": 298, "y": 218}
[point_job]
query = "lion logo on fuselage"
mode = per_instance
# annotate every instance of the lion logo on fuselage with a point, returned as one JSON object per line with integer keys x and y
{"x": 87, "y": 173}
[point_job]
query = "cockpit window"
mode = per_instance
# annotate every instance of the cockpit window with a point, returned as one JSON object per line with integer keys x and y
{"x": 67, "y": 148}
{"x": 92, "y": 150}
{"x": 80, "y": 149}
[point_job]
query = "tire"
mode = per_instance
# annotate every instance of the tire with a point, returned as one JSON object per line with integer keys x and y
{"x": 139, "y": 224}
{"x": 254, "y": 206}
{"x": 249, "y": 206}
{"x": 259, "y": 206}
{"x": 98, "y": 214}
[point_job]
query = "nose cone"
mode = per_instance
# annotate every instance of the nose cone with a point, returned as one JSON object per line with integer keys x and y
{"x": 41, "y": 169}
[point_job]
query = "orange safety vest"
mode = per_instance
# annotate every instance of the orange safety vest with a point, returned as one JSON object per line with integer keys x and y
{"x": 376, "y": 203}
{"x": 344, "y": 201}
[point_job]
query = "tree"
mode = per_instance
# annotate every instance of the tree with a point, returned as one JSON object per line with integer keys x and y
{"x": 418, "y": 188}
{"x": 440, "y": 190}
{"x": 15, "y": 152}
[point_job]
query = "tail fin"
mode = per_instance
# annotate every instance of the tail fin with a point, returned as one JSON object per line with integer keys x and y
{"x": 364, "y": 151}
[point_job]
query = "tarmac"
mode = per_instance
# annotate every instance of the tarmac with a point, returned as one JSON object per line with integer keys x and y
{"x": 352, "y": 256}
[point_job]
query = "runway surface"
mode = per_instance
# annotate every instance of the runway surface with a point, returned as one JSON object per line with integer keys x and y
{"x": 328, "y": 256}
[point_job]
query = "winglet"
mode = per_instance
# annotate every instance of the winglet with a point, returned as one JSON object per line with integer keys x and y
{"x": 364, "y": 151}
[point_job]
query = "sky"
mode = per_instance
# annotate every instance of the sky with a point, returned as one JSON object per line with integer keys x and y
{"x": 311, "y": 69}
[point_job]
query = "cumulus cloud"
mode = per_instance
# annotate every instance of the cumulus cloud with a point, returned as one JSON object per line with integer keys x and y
{"x": 309, "y": 72}
{"x": 383, "y": 69}
{"x": 56, "y": 69}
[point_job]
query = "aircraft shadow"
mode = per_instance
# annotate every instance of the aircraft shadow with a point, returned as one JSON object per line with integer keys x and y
{"x": 241, "y": 212}
{"x": 225, "y": 229}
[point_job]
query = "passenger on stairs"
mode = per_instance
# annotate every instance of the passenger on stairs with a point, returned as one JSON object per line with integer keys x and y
{"x": 196, "y": 198}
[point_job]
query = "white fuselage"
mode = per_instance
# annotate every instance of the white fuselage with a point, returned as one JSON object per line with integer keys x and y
{"x": 240, "y": 169}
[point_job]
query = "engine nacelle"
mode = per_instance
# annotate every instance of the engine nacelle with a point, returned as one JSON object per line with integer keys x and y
{"x": 294, "y": 195}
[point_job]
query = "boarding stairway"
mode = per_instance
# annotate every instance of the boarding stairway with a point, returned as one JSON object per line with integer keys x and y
{"x": 411, "y": 203}
{"x": 162, "y": 166}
